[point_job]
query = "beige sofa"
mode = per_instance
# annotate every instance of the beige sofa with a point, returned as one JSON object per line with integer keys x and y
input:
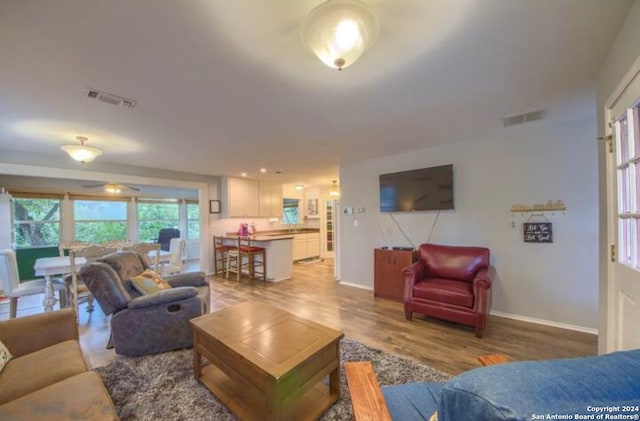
{"x": 47, "y": 378}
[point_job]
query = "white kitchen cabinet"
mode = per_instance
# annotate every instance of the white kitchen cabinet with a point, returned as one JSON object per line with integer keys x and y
{"x": 242, "y": 197}
{"x": 299, "y": 247}
{"x": 270, "y": 201}
{"x": 306, "y": 245}
{"x": 313, "y": 244}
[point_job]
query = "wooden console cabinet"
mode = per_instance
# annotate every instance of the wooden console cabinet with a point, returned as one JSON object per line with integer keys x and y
{"x": 388, "y": 279}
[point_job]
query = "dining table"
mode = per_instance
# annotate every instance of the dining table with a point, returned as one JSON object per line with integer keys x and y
{"x": 48, "y": 267}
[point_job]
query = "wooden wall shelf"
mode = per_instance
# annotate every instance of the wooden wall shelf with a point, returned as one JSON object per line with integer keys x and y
{"x": 550, "y": 206}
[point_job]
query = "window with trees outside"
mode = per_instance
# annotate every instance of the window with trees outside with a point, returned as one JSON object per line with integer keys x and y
{"x": 193, "y": 221}
{"x": 98, "y": 221}
{"x": 36, "y": 221}
{"x": 154, "y": 215}
{"x": 40, "y": 218}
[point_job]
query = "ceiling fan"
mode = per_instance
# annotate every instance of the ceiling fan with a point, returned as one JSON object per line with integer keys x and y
{"x": 112, "y": 187}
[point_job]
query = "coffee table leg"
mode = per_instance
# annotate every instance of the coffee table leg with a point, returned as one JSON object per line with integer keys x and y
{"x": 334, "y": 382}
{"x": 197, "y": 358}
{"x": 274, "y": 402}
{"x": 334, "y": 376}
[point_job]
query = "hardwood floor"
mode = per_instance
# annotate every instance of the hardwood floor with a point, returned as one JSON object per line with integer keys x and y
{"x": 313, "y": 294}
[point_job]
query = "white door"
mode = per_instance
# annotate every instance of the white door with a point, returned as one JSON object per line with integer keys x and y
{"x": 337, "y": 210}
{"x": 327, "y": 230}
{"x": 623, "y": 177}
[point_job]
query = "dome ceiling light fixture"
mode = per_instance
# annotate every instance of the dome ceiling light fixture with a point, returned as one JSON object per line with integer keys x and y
{"x": 339, "y": 31}
{"x": 81, "y": 152}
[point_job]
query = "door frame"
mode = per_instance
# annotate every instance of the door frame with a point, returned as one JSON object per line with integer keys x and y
{"x": 609, "y": 310}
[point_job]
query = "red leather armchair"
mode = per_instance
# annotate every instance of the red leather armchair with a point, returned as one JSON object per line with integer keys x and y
{"x": 450, "y": 283}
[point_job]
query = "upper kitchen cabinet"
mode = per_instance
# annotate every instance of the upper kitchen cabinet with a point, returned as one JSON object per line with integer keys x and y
{"x": 252, "y": 198}
{"x": 270, "y": 203}
{"x": 242, "y": 197}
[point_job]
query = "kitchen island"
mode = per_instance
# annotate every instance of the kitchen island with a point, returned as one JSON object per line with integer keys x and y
{"x": 278, "y": 250}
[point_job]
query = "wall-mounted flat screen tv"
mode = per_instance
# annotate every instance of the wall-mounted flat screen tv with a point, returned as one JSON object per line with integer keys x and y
{"x": 417, "y": 190}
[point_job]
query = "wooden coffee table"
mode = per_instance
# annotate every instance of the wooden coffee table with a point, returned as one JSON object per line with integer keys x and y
{"x": 267, "y": 364}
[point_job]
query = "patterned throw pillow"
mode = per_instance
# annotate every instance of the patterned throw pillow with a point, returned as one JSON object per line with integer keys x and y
{"x": 5, "y": 356}
{"x": 149, "y": 282}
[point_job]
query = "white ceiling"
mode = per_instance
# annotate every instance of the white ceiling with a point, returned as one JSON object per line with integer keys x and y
{"x": 226, "y": 86}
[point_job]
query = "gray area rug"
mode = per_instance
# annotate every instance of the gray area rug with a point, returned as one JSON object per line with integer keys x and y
{"x": 162, "y": 386}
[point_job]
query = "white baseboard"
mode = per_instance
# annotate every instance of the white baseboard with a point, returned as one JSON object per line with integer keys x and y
{"x": 356, "y": 285}
{"x": 545, "y": 322}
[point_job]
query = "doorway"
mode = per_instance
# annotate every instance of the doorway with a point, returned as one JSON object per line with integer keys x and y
{"x": 623, "y": 202}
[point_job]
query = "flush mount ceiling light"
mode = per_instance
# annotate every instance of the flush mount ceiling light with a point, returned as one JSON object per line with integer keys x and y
{"x": 334, "y": 191}
{"x": 339, "y": 31}
{"x": 81, "y": 152}
{"x": 299, "y": 187}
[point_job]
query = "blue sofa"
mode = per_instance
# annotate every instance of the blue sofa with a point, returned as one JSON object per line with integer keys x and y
{"x": 600, "y": 387}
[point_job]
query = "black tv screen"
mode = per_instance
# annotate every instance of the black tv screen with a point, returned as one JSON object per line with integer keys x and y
{"x": 417, "y": 190}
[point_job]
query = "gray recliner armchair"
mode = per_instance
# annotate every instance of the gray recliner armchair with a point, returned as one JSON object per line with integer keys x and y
{"x": 145, "y": 324}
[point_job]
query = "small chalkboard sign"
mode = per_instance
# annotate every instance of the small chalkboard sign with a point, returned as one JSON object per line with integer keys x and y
{"x": 537, "y": 232}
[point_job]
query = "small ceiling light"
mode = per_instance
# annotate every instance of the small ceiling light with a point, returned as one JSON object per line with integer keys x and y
{"x": 112, "y": 188}
{"x": 299, "y": 187}
{"x": 263, "y": 170}
{"x": 81, "y": 152}
{"x": 334, "y": 191}
{"x": 339, "y": 31}
{"x": 244, "y": 174}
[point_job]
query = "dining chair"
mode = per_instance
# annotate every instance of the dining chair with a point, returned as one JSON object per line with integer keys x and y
{"x": 117, "y": 245}
{"x": 82, "y": 293}
{"x": 165, "y": 235}
{"x": 14, "y": 289}
{"x": 64, "y": 248}
{"x": 151, "y": 250}
{"x": 77, "y": 290}
{"x": 175, "y": 264}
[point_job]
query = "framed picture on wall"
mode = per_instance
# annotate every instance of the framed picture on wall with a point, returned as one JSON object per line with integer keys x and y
{"x": 214, "y": 206}
{"x": 312, "y": 208}
{"x": 537, "y": 232}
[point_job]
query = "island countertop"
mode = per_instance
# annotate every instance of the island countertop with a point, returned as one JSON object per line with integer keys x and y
{"x": 260, "y": 237}
{"x": 272, "y": 235}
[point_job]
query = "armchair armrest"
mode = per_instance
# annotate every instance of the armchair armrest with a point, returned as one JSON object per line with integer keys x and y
{"x": 412, "y": 274}
{"x": 25, "y": 335}
{"x": 189, "y": 279}
{"x": 482, "y": 292}
{"x": 484, "y": 278}
{"x": 366, "y": 397}
{"x": 162, "y": 297}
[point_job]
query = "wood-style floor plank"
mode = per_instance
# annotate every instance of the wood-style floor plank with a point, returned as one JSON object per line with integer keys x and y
{"x": 315, "y": 295}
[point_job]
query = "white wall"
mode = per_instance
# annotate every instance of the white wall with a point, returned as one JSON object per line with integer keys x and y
{"x": 527, "y": 164}
{"x": 613, "y": 74}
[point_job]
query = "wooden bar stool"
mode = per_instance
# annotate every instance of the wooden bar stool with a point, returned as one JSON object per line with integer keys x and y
{"x": 220, "y": 255}
{"x": 234, "y": 264}
{"x": 248, "y": 250}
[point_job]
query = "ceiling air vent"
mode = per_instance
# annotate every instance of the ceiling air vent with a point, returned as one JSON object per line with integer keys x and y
{"x": 110, "y": 98}
{"x": 512, "y": 120}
